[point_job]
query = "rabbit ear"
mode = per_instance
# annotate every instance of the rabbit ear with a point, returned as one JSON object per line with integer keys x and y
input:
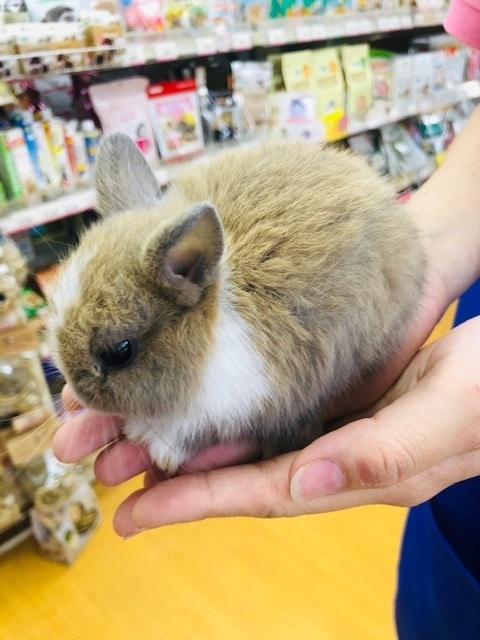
{"x": 185, "y": 259}
{"x": 123, "y": 178}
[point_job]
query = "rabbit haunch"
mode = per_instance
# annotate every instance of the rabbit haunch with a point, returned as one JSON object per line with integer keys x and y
{"x": 242, "y": 304}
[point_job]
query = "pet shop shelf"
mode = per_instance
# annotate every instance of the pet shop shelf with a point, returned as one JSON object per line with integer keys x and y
{"x": 57, "y": 209}
{"x": 138, "y": 48}
{"x": 76, "y": 202}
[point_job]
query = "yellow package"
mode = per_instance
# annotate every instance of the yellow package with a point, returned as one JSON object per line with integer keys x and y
{"x": 359, "y": 80}
{"x": 329, "y": 89}
{"x": 296, "y": 71}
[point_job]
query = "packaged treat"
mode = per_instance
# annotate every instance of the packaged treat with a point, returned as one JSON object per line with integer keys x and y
{"x": 223, "y": 15}
{"x": 55, "y": 11}
{"x": 143, "y": 15}
{"x": 329, "y": 88}
{"x": 251, "y": 84}
{"x": 65, "y": 511}
{"x": 253, "y": 12}
{"x": 359, "y": 81}
{"x": 122, "y": 105}
{"x": 12, "y": 501}
{"x": 175, "y": 118}
{"x": 296, "y": 71}
{"x": 186, "y": 14}
{"x": 402, "y": 102}
{"x": 296, "y": 116}
{"x": 13, "y": 11}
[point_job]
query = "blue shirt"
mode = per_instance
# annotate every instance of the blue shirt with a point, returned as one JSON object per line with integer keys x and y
{"x": 438, "y": 596}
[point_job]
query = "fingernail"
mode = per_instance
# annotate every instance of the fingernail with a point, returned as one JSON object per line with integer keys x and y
{"x": 317, "y": 479}
{"x": 134, "y": 533}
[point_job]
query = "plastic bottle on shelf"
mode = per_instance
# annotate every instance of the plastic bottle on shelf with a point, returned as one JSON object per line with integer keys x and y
{"x": 92, "y": 137}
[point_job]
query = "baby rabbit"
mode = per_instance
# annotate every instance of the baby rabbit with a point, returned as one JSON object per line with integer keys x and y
{"x": 245, "y": 302}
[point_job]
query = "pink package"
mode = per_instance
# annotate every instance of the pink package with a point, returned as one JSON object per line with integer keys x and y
{"x": 122, "y": 105}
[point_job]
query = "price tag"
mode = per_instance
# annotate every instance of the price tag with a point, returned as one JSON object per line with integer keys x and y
{"x": 406, "y": 22}
{"x": 242, "y": 40}
{"x": 351, "y": 28}
{"x": 304, "y": 33}
{"x": 135, "y": 54}
{"x": 394, "y": 23}
{"x": 205, "y": 46}
{"x": 365, "y": 26}
{"x": 318, "y": 32}
{"x": 166, "y": 50}
{"x": 276, "y": 36}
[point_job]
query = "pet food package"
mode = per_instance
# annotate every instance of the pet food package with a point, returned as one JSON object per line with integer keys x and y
{"x": 296, "y": 71}
{"x": 329, "y": 88}
{"x": 187, "y": 14}
{"x": 175, "y": 117}
{"x": 122, "y": 105}
{"x": 65, "y": 511}
{"x": 251, "y": 83}
{"x": 143, "y": 15}
{"x": 359, "y": 81}
{"x": 296, "y": 116}
{"x": 54, "y": 11}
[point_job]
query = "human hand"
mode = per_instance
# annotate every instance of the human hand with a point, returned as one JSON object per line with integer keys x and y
{"x": 423, "y": 436}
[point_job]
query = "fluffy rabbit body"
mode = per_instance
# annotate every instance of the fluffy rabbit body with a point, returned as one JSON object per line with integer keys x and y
{"x": 243, "y": 303}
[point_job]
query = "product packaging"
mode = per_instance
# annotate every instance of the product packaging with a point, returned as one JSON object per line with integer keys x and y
{"x": 296, "y": 116}
{"x": 403, "y": 103}
{"x": 359, "y": 82}
{"x": 329, "y": 88}
{"x": 186, "y": 14}
{"x": 122, "y": 105}
{"x": 9, "y": 67}
{"x": 16, "y": 169}
{"x": 407, "y": 163}
{"x": 222, "y": 16}
{"x": 91, "y": 141}
{"x": 296, "y": 71}
{"x": 143, "y": 15}
{"x": 13, "y": 12}
{"x": 13, "y": 273}
{"x": 175, "y": 118}
{"x": 422, "y": 77}
{"x": 65, "y": 511}
{"x": 103, "y": 29}
{"x": 251, "y": 84}
{"x": 286, "y": 9}
{"x": 24, "y": 120}
{"x": 54, "y": 11}
{"x": 12, "y": 502}
{"x": 253, "y": 12}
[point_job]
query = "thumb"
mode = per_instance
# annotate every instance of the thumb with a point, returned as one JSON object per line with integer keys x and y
{"x": 433, "y": 419}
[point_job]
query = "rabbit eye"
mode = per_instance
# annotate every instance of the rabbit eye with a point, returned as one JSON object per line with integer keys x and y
{"x": 118, "y": 355}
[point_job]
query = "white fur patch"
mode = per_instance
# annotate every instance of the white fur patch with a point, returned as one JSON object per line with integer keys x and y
{"x": 64, "y": 294}
{"x": 67, "y": 289}
{"x": 234, "y": 386}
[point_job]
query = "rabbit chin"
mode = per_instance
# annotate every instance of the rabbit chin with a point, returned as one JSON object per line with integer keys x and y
{"x": 224, "y": 454}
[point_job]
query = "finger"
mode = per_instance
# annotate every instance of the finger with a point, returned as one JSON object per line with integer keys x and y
{"x": 84, "y": 433}
{"x": 69, "y": 400}
{"x": 260, "y": 489}
{"x": 414, "y": 433}
{"x": 120, "y": 462}
{"x": 409, "y": 493}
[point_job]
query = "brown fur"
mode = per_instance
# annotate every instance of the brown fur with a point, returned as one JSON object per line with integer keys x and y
{"x": 308, "y": 246}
